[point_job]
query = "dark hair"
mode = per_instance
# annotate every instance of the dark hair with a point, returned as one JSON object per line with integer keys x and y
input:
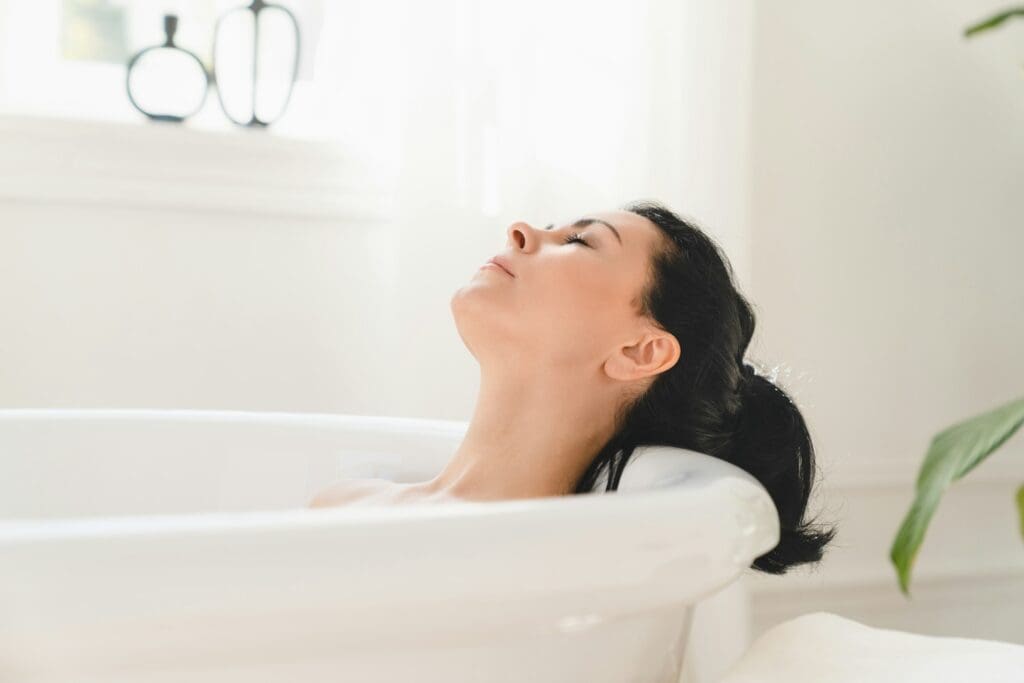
{"x": 711, "y": 401}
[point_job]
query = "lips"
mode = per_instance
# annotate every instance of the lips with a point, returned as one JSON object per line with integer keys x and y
{"x": 501, "y": 263}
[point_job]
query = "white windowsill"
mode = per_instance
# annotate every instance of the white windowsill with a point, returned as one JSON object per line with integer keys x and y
{"x": 173, "y": 166}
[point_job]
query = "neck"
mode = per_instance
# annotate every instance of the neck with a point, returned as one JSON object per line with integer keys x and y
{"x": 530, "y": 436}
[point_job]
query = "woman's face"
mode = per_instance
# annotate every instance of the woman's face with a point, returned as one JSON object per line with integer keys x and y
{"x": 566, "y": 302}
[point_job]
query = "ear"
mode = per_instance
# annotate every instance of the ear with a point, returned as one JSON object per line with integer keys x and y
{"x": 652, "y": 354}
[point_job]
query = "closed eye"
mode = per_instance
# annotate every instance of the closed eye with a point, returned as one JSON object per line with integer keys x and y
{"x": 575, "y": 237}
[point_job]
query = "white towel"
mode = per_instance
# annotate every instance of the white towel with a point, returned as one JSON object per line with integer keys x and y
{"x": 826, "y": 647}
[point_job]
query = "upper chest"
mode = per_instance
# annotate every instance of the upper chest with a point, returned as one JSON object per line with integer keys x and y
{"x": 362, "y": 492}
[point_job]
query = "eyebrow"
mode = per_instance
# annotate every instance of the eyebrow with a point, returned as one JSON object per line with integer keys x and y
{"x": 584, "y": 222}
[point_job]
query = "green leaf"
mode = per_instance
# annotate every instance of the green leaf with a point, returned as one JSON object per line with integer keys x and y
{"x": 993, "y": 21}
{"x": 1020, "y": 508}
{"x": 953, "y": 452}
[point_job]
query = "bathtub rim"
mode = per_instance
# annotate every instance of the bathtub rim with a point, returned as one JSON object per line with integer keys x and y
{"x": 691, "y": 494}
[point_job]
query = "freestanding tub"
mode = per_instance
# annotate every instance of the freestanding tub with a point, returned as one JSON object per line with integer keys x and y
{"x": 150, "y": 546}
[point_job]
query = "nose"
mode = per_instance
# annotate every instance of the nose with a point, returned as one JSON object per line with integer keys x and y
{"x": 519, "y": 233}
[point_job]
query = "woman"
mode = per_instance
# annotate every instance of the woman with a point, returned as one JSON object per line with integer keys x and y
{"x": 621, "y": 329}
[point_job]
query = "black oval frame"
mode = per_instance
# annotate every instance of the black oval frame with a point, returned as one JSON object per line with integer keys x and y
{"x": 257, "y": 6}
{"x": 170, "y": 28}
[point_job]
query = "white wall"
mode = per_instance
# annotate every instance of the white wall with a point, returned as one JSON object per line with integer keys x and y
{"x": 887, "y": 219}
{"x": 161, "y": 267}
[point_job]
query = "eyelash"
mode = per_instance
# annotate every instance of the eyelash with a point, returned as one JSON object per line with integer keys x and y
{"x": 575, "y": 237}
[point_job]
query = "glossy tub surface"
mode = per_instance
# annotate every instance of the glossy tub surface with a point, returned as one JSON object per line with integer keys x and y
{"x": 177, "y": 545}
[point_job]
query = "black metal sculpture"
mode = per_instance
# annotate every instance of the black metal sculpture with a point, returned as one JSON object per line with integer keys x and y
{"x": 153, "y": 52}
{"x": 256, "y": 7}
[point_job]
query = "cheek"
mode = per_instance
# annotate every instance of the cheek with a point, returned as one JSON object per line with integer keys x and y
{"x": 579, "y": 309}
{"x": 568, "y": 290}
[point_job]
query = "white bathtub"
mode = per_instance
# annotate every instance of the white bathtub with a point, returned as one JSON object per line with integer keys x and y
{"x": 170, "y": 545}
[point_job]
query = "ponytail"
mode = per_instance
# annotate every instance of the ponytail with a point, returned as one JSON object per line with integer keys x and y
{"x": 773, "y": 444}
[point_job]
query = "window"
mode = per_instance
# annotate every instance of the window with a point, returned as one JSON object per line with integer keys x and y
{"x": 492, "y": 107}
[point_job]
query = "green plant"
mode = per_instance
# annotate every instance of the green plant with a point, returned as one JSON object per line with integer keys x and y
{"x": 953, "y": 452}
{"x": 958, "y": 449}
{"x": 993, "y": 21}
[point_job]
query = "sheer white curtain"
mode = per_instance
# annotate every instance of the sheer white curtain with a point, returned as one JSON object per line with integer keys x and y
{"x": 542, "y": 108}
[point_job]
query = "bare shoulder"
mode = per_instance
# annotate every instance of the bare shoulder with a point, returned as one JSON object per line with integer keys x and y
{"x": 348, "y": 491}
